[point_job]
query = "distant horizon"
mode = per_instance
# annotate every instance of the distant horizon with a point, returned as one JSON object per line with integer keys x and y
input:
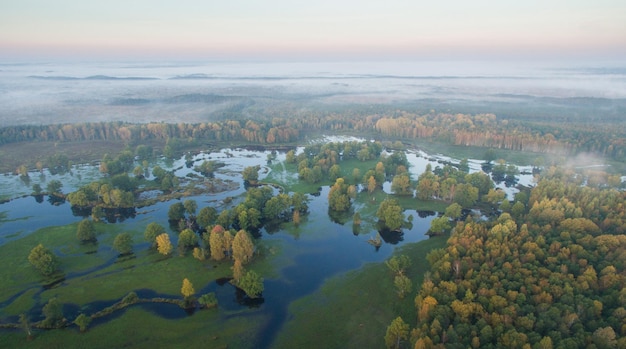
{"x": 281, "y": 30}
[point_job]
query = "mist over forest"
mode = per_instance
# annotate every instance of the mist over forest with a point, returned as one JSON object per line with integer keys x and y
{"x": 53, "y": 93}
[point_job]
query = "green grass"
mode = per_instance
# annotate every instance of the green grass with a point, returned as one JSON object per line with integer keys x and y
{"x": 208, "y": 328}
{"x": 148, "y": 269}
{"x": 205, "y": 329}
{"x": 353, "y": 310}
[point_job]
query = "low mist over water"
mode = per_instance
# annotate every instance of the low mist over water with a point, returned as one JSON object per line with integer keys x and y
{"x": 45, "y": 93}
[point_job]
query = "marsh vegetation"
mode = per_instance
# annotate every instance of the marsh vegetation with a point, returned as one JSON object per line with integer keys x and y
{"x": 177, "y": 237}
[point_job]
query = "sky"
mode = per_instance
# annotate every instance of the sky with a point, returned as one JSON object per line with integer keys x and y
{"x": 312, "y": 29}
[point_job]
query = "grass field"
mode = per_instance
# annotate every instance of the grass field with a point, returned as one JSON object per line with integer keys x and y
{"x": 353, "y": 310}
{"x": 100, "y": 276}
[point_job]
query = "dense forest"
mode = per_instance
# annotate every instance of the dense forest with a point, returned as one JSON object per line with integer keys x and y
{"x": 551, "y": 275}
{"x": 484, "y": 130}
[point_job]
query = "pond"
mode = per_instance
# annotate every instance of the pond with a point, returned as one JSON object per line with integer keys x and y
{"x": 318, "y": 249}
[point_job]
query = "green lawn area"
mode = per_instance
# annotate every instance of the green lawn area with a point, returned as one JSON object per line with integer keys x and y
{"x": 98, "y": 281}
{"x": 205, "y": 329}
{"x": 353, "y": 310}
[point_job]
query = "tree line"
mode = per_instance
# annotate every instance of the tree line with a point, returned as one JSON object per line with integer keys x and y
{"x": 484, "y": 130}
{"x": 549, "y": 272}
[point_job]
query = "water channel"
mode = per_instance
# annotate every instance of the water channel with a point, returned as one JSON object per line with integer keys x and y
{"x": 318, "y": 249}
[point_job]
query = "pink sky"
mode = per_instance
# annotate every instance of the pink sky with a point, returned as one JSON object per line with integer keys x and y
{"x": 317, "y": 30}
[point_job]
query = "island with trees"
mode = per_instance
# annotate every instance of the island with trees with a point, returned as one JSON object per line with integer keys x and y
{"x": 183, "y": 234}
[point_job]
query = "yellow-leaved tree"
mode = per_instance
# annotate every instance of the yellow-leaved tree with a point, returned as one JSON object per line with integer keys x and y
{"x": 243, "y": 247}
{"x": 164, "y": 245}
{"x": 187, "y": 289}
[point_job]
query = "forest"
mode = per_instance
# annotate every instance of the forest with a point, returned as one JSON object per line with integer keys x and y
{"x": 548, "y": 275}
{"x": 544, "y": 269}
{"x": 480, "y": 130}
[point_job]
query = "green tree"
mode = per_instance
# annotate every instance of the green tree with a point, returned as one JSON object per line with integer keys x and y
{"x": 427, "y": 184}
{"x": 334, "y": 172}
{"x": 251, "y": 174}
{"x": 490, "y": 155}
{"x": 53, "y": 313}
{"x": 82, "y": 321}
{"x": 243, "y": 247}
{"x": 43, "y": 260}
{"x": 290, "y": 158}
{"x": 447, "y": 188}
{"x": 86, "y": 231}
{"x": 605, "y": 338}
{"x": 187, "y": 239}
{"x": 123, "y": 243}
{"x": 544, "y": 343}
{"x": 152, "y": 231}
{"x": 164, "y": 245}
{"x": 225, "y": 219}
{"x": 401, "y": 185}
{"x": 37, "y": 189}
{"x": 206, "y": 217}
{"x": 481, "y": 181}
{"x": 54, "y": 187}
{"x": 251, "y": 283}
{"x": 176, "y": 212}
{"x": 207, "y": 168}
{"x": 397, "y": 331}
{"x": 517, "y": 210}
{"x": 494, "y": 196}
{"x": 398, "y": 264}
{"x": 439, "y": 225}
{"x": 338, "y": 199}
{"x": 208, "y": 300}
{"x": 466, "y": 195}
{"x": 97, "y": 213}
{"x": 453, "y": 211}
{"x": 190, "y": 207}
{"x": 159, "y": 172}
{"x": 390, "y": 213}
{"x": 144, "y": 152}
{"x": 403, "y": 285}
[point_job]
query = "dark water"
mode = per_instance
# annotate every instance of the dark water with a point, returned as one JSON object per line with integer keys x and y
{"x": 318, "y": 249}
